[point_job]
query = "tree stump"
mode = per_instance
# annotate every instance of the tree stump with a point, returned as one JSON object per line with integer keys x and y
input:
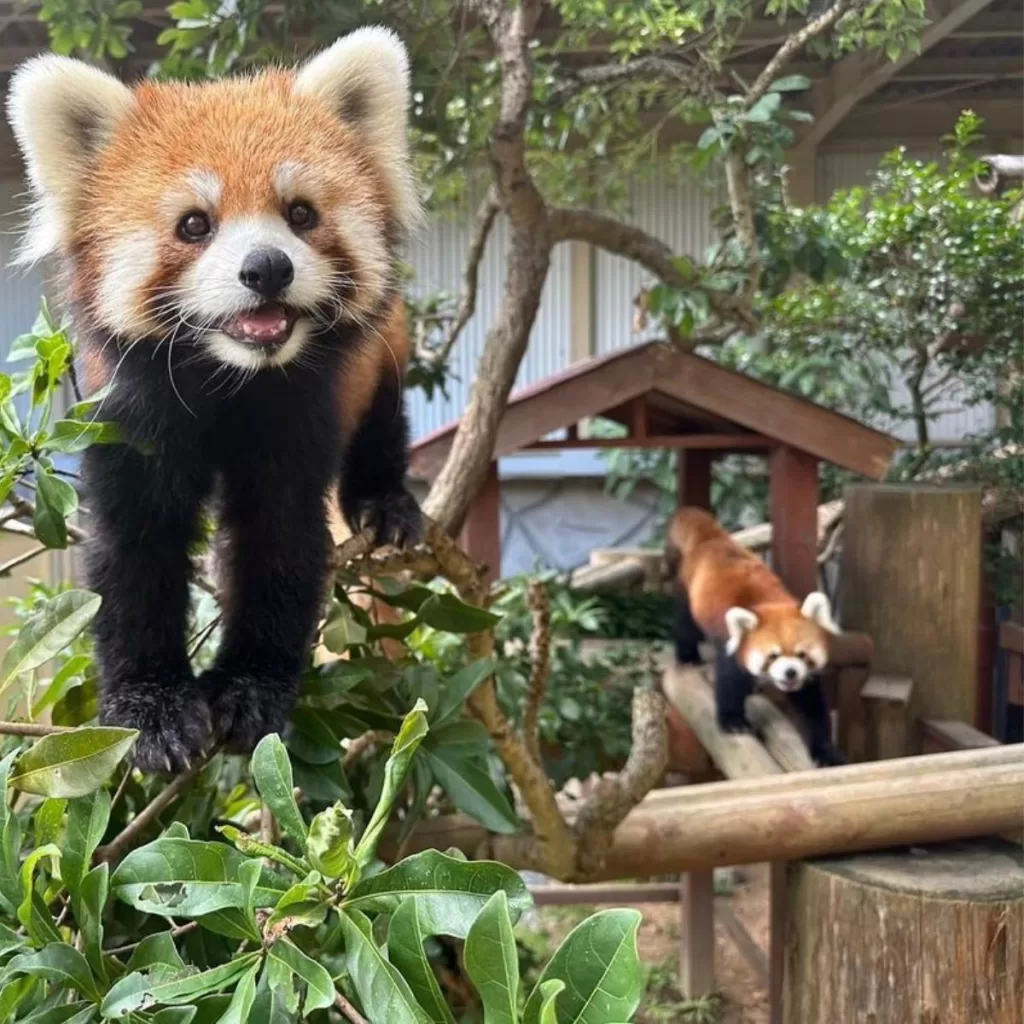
{"x": 929, "y": 937}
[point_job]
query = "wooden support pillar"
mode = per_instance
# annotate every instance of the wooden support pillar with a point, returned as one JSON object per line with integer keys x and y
{"x": 697, "y": 934}
{"x": 481, "y": 534}
{"x": 694, "y": 476}
{"x": 794, "y": 504}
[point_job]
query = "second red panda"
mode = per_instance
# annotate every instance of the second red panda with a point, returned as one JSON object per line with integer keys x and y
{"x": 762, "y": 635}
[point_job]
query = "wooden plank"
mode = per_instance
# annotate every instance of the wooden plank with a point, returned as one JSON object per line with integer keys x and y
{"x": 888, "y": 716}
{"x": 603, "y": 893}
{"x": 794, "y": 504}
{"x": 947, "y": 734}
{"x": 697, "y": 934}
{"x": 739, "y": 442}
{"x": 911, "y": 572}
{"x": 754, "y": 956}
{"x": 693, "y": 475}
{"x": 481, "y": 534}
{"x": 776, "y": 414}
{"x": 1011, "y": 637}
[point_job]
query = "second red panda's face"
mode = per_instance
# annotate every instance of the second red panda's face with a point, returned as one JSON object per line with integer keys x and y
{"x": 243, "y": 216}
{"x": 783, "y": 648}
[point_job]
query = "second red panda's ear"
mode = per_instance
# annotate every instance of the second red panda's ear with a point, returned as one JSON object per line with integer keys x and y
{"x": 818, "y": 609}
{"x": 739, "y": 622}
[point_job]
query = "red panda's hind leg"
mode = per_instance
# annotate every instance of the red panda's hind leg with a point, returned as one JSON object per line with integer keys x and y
{"x": 688, "y": 635}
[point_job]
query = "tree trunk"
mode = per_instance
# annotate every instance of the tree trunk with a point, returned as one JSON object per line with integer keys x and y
{"x": 899, "y": 938}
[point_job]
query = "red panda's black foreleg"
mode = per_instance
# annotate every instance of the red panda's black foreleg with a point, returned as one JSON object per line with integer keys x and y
{"x": 733, "y": 684}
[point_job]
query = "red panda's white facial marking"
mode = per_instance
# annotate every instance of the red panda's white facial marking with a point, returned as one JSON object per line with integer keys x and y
{"x": 247, "y": 215}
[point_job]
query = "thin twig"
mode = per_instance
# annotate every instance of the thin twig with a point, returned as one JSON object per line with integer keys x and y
{"x": 348, "y": 1011}
{"x": 132, "y": 832}
{"x": 25, "y": 556}
{"x": 176, "y": 931}
{"x": 30, "y": 729}
{"x": 540, "y": 661}
{"x": 203, "y": 635}
{"x": 362, "y": 743}
{"x": 121, "y": 786}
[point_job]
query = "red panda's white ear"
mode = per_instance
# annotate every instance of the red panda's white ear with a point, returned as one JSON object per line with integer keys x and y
{"x": 63, "y": 112}
{"x": 738, "y": 622}
{"x": 364, "y": 79}
{"x": 818, "y": 609}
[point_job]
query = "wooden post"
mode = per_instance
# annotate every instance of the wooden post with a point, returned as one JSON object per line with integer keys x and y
{"x": 887, "y": 713}
{"x": 898, "y": 937}
{"x": 911, "y": 571}
{"x": 794, "y": 503}
{"x": 694, "y": 476}
{"x": 481, "y": 534}
{"x": 697, "y": 934}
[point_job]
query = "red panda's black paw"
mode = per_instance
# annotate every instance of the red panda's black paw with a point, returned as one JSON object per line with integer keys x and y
{"x": 173, "y": 723}
{"x": 391, "y": 519}
{"x": 828, "y": 757}
{"x": 735, "y": 724}
{"x": 245, "y": 708}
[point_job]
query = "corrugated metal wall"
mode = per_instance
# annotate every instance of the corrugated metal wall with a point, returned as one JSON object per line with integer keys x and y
{"x": 437, "y": 257}
{"x": 19, "y": 289}
{"x": 677, "y": 211}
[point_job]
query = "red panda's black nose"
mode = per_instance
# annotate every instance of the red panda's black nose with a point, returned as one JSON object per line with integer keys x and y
{"x": 791, "y": 673}
{"x": 267, "y": 272}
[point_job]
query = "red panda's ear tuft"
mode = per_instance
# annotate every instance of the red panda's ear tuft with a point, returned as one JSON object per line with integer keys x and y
{"x": 364, "y": 79}
{"x": 738, "y": 622}
{"x": 818, "y": 609}
{"x": 63, "y": 112}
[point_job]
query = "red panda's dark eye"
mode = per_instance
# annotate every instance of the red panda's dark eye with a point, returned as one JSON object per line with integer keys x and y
{"x": 194, "y": 227}
{"x": 301, "y": 216}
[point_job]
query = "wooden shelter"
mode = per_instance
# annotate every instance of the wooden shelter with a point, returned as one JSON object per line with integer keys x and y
{"x": 669, "y": 399}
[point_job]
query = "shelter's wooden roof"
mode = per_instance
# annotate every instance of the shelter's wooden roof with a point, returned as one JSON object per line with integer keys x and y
{"x": 671, "y": 399}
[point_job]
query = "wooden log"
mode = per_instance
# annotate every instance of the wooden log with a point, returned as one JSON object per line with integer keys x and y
{"x": 911, "y": 571}
{"x": 887, "y": 713}
{"x": 737, "y": 756}
{"x": 903, "y": 939}
{"x": 781, "y": 738}
{"x": 593, "y": 579}
{"x": 942, "y": 734}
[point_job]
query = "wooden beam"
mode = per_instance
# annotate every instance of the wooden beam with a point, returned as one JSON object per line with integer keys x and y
{"x": 693, "y": 478}
{"x": 481, "y": 534}
{"x": 722, "y": 442}
{"x": 794, "y": 505}
{"x": 697, "y": 938}
{"x": 860, "y": 74}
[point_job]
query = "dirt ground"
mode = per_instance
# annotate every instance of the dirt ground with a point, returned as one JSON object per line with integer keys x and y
{"x": 743, "y": 1000}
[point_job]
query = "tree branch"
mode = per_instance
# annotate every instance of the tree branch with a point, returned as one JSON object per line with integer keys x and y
{"x": 483, "y": 221}
{"x": 648, "y": 68}
{"x": 30, "y": 729}
{"x": 793, "y": 45}
{"x": 540, "y": 662}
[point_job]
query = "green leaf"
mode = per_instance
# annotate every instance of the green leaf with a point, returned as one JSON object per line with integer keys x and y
{"x": 59, "y": 963}
{"x": 410, "y": 735}
{"x": 72, "y": 764}
{"x": 790, "y": 83}
{"x": 188, "y": 878}
{"x": 764, "y": 109}
{"x": 79, "y": 1012}
{"x": 550, "y": 990}
{"x": 136, "y": 992}
{"x": 46, "y": 633}
{"x": 330, "y": 848}
{"x": 406, "y": 935}
{"x": 272, "y": 773}
{"x": 450, "y": 892}
{"x": 253, "y": 847}
{"x": 305, "y": 903}
{"x": 458, "y": 688}
{"x": 599, "y": 964}
{"x": 450, "y": 615}
{"x": 492, "y": 961}
{"x": 311, "y": 739}
{"x": 472, "y": 789}
{"x": 87, "y": 822}
{"x": 383, "y": 993}
{"x": 156, "y": 950}
{"x": 89, "y": 915}
{"x": 23, "y": 347}
{"x": 319, "y": 984}
{"x": 56, "y": 499}
{"x": 244, "y": 996}
{"x": 10, "y": 842}
{"x": 341, "y": 629}
{"x": 321, "y": 782}
{"x": 48, "y": 820}
{"x": 26, "y": 909}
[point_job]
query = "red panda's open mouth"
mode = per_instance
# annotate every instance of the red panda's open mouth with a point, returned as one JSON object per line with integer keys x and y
{"x": 267, "y": 326}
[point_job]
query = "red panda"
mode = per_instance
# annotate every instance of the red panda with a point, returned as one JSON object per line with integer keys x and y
{"x": 229, "y": 252}
{"x": 761, "y": 633}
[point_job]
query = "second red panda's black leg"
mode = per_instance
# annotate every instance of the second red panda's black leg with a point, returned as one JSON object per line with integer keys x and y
{"x": 810, "y": 702}
{"x": 688, "y": 635}
{"x": 733, "y": 684}
{"x": 372, "y": 489}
